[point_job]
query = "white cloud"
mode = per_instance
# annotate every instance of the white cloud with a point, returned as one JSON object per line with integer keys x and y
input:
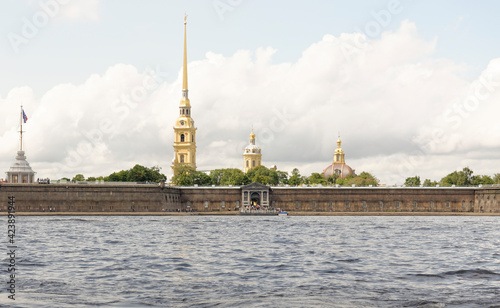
{"x": 71, "y": 10}
{"x": 387, "y": 97}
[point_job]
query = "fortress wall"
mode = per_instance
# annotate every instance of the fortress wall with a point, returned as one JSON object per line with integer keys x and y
{"x": 89, "y": 198}
{"x": 488, "y": 200}
{"x": 211, "y": 199}
{"x": 374, "y": 199}
{"x": 153, "y": 198}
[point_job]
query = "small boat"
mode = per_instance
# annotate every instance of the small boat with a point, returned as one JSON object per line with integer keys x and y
{"x": 257, "y": 212}
{"x": 282, "y": 213}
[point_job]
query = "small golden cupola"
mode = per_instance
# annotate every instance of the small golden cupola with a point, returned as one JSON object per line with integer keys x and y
{"x": 338, "y": 167}
{"x": 338, "y": 156}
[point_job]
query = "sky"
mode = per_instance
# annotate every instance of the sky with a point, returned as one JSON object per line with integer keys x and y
{"x": 412, "y": 87}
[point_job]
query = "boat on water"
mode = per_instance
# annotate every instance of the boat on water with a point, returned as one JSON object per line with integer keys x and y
{"x": 258, "y": 212}
{"x": 263, "y": 211}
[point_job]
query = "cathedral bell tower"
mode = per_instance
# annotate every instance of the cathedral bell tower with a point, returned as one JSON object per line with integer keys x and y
{"x": 184, "y": 130}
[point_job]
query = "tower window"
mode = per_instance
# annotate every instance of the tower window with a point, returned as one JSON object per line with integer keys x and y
{"x": 192, "y": 138}
{"x": 182, "y": 158}
{"x": 253, "y": 163}
{"x": 187, "y": 111}
{"x": 248, "y": 163}
{"x": 182, "y": 137}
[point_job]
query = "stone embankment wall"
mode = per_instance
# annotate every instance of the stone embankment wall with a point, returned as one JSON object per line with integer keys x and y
{"x": 90, "y": 198}
{"x": 211, "y": 199}
{"x": 488, "y": 200}
{"x": 374, "y": 199}
{"x": 338, "y": 199}
{"x": 153, "y": 198}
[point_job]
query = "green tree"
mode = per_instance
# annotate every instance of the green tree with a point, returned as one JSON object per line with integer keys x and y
{"x": 230, "y": 176}
{"x": 201, "y": 178}
{"x": 241, "y": 179}
{"x": 120, "y": 176}
{"x": 259, "y": 178}
{"x": 332, "y": 179}
{"x": 481, "y": 180}
{"x": 295, "y": 179}
{"x": 363, "y": 179}
{"x": 79, "y": 177}
{"x": 413, "y": 181}
{"x": 137, "y": 173}
{"x": 216, "y": 176}
{"x": 91, "y": 179}
{"x": 263, "y": 175}
{"x": 428, "y": 183}
{"x": 184, "y": 175}
{"x": 496, "y": 178}
{"x": 458, "y": 178}
{"x": 282, "y": 177}
{"x": 188, "y": 176}
{"x": 317, "y": 178}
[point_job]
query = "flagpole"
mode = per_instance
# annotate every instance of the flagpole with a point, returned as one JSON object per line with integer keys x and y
{"x": 21, "y": 122}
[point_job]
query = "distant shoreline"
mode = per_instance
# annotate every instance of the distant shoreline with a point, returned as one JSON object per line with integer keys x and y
{"x": 236, "y": 213}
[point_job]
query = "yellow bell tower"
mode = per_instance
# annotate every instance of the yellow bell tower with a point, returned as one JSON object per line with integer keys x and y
{"x": 184, "y": 130}
{"x": 252, "y": 156}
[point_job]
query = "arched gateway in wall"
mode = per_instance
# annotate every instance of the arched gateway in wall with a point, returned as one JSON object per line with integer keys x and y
{"x": 256, "y": 195}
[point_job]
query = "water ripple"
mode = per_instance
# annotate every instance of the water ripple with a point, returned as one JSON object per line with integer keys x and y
{"x": 218, "y": 261}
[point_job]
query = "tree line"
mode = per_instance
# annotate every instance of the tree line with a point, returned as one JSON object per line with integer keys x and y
{"x": 137, "y": 173}
{"x": 187, "y": 176}
{"x": 464, "y": 177}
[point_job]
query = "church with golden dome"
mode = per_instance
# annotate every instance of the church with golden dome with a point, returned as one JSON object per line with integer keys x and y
{"x": 338, "y": 166}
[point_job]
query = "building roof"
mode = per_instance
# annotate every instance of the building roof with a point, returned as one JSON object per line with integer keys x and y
{"x": 21, "y": 165}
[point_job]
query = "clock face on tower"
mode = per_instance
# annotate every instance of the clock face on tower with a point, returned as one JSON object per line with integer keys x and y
{"x": 182, "y": 123}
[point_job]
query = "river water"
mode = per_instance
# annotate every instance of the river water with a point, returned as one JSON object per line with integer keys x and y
{"x": 250, "y": 261}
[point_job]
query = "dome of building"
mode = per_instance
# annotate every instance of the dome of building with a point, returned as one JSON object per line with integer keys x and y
{"x": 341, "y": 169}
{"x": 252, "y": 149}
{"x": 20, "y": 171}
{"x": 338, "y": 166}
{"x": 252, "y": 156}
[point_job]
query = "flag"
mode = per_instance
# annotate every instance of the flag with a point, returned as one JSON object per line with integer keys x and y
{"x": 25, "y": 117}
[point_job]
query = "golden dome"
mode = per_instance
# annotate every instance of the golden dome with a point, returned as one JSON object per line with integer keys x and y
{"x": 341, "y": 169}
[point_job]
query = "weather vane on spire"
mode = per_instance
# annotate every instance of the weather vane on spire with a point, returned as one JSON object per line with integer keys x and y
{"x": 185, "y": 17}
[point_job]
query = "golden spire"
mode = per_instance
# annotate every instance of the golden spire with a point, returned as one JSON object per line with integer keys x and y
{"x": 185, "y": 100}
{"x": 184, "y": 69}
